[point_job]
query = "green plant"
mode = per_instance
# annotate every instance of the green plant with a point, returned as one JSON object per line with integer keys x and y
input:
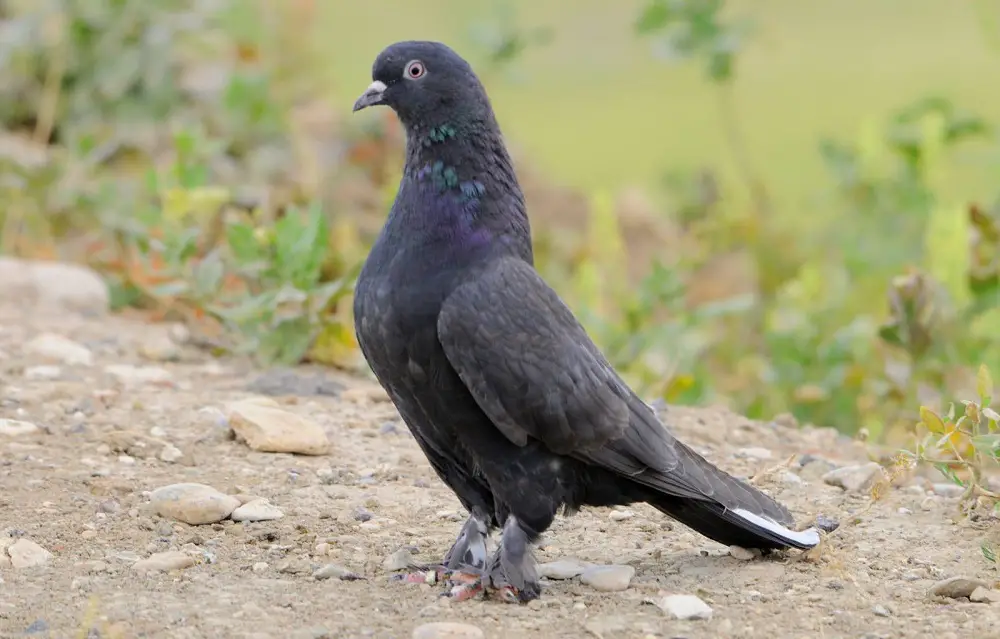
{"x": 960, "y": 444}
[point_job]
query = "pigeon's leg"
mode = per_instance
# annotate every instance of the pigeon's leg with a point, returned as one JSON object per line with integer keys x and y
{"x": 464, "y": 562}
{"x": 511, "y": 572}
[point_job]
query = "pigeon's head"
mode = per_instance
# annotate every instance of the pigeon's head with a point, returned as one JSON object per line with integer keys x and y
{"x": 424, "y": 83}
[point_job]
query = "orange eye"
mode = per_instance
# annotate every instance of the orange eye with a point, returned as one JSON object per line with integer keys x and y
{"x": 415, "y": 70}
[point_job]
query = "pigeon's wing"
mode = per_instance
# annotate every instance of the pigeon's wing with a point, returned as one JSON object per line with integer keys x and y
{"x": 534, "y": 370}
{"x": 536, "y": 373}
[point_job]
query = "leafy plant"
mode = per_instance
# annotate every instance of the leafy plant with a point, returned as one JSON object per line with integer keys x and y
{"x": 960, "y": 444}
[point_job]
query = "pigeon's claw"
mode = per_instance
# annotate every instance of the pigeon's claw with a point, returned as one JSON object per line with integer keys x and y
{"x": 508, "y": 594}
{"x": 426, "y": 575}
{"x": 465, "y": 590}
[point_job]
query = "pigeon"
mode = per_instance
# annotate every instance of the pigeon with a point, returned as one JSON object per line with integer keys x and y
{"x": 514, "y": 406}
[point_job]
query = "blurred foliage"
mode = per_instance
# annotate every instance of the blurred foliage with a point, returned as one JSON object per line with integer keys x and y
{"x": 186, "y": 151}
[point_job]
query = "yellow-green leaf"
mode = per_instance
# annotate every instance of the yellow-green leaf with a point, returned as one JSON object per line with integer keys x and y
{"x": 930, "y": 419}
{"x": 984, "y": 384}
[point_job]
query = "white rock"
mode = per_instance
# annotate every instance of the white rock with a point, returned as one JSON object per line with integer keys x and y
{"x": 60, "y": 349}
{"x": 134, "y": 376}
{"x": 16, "y": 428}
{"x": 854, "y": 479}
{"x": 744, "y": 554}
{"x": 164, "y": 562}
{"x": 789, "y": 478}
{"x": 25, "y": 553}
{"x": 957, "y": 587}
{"x": 684, "y": 607}
{"x": 755, "y": 453}
{"x": 45, "y": 372}
{"x": 171, "y": 454}
{"x": 984, "y": 595}
{"x": 951, "y": 491}
{"x": 562, "y": 569}
{"x": 399, "y": 560}
{"x": 53, "y": 284}
{"x": 270, "y": 429}
{"x": 607, "y": 578}
{"x": 257, "y": 510}
{"x": 447, "y": 630}
{"x": 193, "y": 503}
{"x": 620, "y": 515}
{"x": 159, "y": 348}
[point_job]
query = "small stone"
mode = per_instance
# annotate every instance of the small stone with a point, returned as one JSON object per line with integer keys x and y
{"x": 257, "y": 510}
{"x": 904, "y": 511}
{"x": 607, "y": 578}
{"x": 562, "y": 569}
{"x": 159, "y": 348}
{"x": 46, "y": 283}
{"x": 786, "y": 420}
{"x": 815, "y": 468}
{"x": 25, "y": 553}
{"x": 88, "y": 534}
{"x": 42, "y": 373}
{"x": 16, "y": 428}
{"x": 684, "y": 607}
{"x": 789, "y": 478}
{"x": 399, "y": 560}
{"x": 171, "y": 454}
{"x": 621, "y": 515}
{"x": 193, "y": 504}
{"x": 854, "y": 479}
{"x": 984, "y": 595}
{"x": 756, "y": 453}
{"x": 290, "y": 382}
{"x": 881, "y": 611}
{"x": 60, "y": 349}
{"x": 336, "y": 571}
{"x": 269, "y": 429}
{"x": 362, "y": 514}
{"x": 447, "y": 630}
{"x": 135, "y": 376}
{"x": 260, "y": 566}
{"x": 956, "y": 587}
{"x": 951, "y": 491}
{"x": 743, "y": 554}
{"x": 164, "y": 562}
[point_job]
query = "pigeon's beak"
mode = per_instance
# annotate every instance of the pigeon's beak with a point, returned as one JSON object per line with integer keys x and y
{"x": 371, "y": 97}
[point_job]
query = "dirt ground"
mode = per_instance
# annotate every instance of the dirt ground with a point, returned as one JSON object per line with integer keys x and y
{"x": 79, "y": 487}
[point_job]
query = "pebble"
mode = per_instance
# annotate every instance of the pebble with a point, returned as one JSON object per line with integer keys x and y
{"x": 45, "y": 372}
{"x": 260, "y": 566}
{"x": 285, "y": 381}
{"x": 951, "y": 491}
{"x": 336, "y": 571}
{"x": 755, "y": 453}
{"x": 257, "y": 510}
{"x": 134, "y": 376}
{"x": 607, "y": 578}
{"x": 984, "y": 595}
{"x": 25, "y": 553}
{"x": 854, "y": 479}
{"x": 815, "y": 468}
{"x": 61, "y": 349}
{"x": 956, "y": 587}
{"x": 789, "y": 478}
{"x": 399, "y": 560}
{"x": 193, "y": 503}
{"x": 164, "y": 562}
{"x": 16, "y": 428}
{"x": 267, "y": 428}
{"x": 881, "y": 611}
{"x": 171, "y": 454}
{"x": 447, "y": 630}
{"x": 46, "y": 283}
{"x": 562, "y": 569}
{"x": 159, "y": 348}
{"x": 744, "y": 554}
{"x": 684, "y": 607}
{"x": 621, "y": 515}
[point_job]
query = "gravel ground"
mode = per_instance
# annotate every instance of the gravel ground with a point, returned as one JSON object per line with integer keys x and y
{"x": 102, "y": 411}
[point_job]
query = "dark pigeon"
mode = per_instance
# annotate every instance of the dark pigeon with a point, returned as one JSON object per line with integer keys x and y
{"x": 514, "y": 406}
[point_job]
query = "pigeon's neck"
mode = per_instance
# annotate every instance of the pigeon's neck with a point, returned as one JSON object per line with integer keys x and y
{"x": 464, "y": 164}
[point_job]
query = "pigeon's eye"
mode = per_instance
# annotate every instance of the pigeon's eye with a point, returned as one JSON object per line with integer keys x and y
{"x": 415, "y": 70}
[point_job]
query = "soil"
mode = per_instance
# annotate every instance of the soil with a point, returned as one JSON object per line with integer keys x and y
{"x": 79, "y": 487}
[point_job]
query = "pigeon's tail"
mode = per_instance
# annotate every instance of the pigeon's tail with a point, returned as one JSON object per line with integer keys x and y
{"x": 733, "y": 527}
{"x": 684, "y": 485}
